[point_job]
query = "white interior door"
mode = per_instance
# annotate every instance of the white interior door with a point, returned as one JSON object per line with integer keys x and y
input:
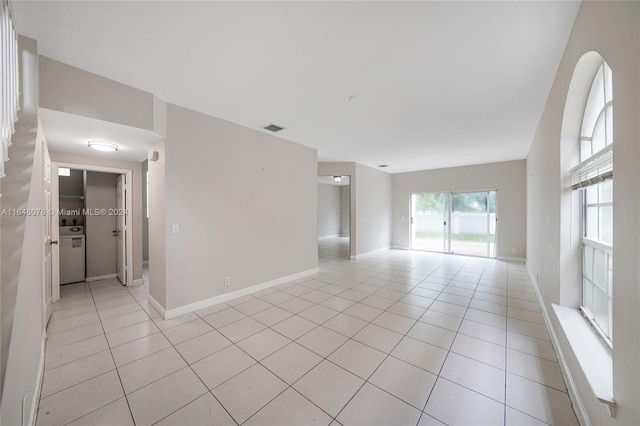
{"x": 48, "y": 241}
{"x": 121, "y": 230}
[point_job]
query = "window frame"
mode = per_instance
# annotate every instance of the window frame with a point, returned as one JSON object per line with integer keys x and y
{"x": 587, "y": 178}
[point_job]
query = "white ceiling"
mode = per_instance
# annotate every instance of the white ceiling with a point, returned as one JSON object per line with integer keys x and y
{"x": 437, "y": 84}
{"x": 328, "y": 180}
{"x": 71, "y": 133}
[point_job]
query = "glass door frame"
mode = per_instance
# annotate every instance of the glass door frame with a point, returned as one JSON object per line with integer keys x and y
{"x": 446, "y": 234}
{"x": 447, "y": 231}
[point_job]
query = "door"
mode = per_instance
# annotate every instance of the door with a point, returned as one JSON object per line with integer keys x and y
{"x": 473, "y": 223}
{"x": 121, "y": 230}
{"x": 429, "y": 220}
{"x": 48, "y": 241}
{"x": 454, "y": 222}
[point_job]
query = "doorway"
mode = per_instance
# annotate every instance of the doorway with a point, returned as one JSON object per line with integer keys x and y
{"x": 91, "y": 223}
{"x": 455, "y": 222}
{"x": 334, "y": 217}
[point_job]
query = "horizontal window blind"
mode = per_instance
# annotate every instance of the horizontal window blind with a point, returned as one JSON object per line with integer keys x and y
{"x": 593, "y": 170}
{"x": 9, "y": 98}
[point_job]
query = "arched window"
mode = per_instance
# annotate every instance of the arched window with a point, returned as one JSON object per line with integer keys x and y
{"x": 593, "y": 177}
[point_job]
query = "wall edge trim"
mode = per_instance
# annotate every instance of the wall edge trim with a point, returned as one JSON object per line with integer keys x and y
{"x": 201, "y": 304}
{"x": 157, "y": 306}
{"x": 572, "y": 389}
{"x": 100, "y": 277}
{"x": 513, "y": 259}
{"x": 358, "y": 256}
{"x": 35, "y": 401}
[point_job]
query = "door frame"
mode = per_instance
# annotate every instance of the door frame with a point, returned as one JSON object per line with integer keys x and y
{"x": 447, "y": 242}
{"x": 47, "y": 278}
{"x": 446, "y": 233}
{"x": 55, "y": 234}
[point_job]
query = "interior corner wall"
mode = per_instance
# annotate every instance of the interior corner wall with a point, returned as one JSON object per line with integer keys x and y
{"x": 373, "y": 201}
{"x": 75, "y": 91}
{"x": 245, "y": 203}
{"x": 21, "y": 287}
{"x": 329, "y": 210}
{"x": 610, "y": 29}
{"x": 136, "y": 177}
{"x": 145, "y": 215}
{"x": 345, "y": 207}
{"x": 157, "y": 227}
{"x": 508, "y": 178}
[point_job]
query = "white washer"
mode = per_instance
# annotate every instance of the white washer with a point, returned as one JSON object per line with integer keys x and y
{"x": 72, "y": 254}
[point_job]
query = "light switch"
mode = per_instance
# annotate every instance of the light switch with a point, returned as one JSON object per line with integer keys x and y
{"x": 175, "y": 228}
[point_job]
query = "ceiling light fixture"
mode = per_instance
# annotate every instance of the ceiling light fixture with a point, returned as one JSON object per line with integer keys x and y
{"x": 103, "y": 146}
{"x": 337, "y": 178}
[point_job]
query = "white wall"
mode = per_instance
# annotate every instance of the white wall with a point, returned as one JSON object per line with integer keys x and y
{"x": 145, "y": 216}
{"x": 75, "y": 91}
{"x": 22, "y": 268}
{"x": 508, "y": 178}
{"x": 611, "y": 29}
{"x": 345, "y": 207}
{"x": 158, "y": 228}
{"x": 329, "y": 210}
{"x": 370, "y": 205}
{"x": 136, "y": 183}
{"x": 373, "y": 201}
{"x": 245, "y": 202}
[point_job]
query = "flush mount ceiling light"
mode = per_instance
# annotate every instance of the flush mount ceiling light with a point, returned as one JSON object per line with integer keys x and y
{"x": 273, "y": 128}
{"x": 337, "y": 178}
{"x": 103, "y": 146}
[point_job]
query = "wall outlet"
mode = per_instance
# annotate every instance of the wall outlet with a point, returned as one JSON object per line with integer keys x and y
{"x": 227, "y": 280}
{"x": 175, "y": 228}
{"x": 514, "y": 250}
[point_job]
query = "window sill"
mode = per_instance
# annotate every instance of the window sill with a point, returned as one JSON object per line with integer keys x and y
{"x": 593, "y": 355}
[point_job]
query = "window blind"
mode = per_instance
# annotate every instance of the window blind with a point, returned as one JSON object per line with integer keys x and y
{"x": 9, "y": 98}
{"x": 593, "y": 170}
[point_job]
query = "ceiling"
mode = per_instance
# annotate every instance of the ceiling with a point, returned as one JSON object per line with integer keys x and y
{"x": 415, "y": 85}
{"x": 328, "y": 180}
{"x": 71, "y": 133}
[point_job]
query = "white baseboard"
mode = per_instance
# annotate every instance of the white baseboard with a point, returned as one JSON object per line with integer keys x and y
{"x": 137, "y": 283}
{"x": 399, "y": 248}
{"x": 185, "y": 309}
{"x": 101, "y": 277}
{"x": 512, "y": 259}
{"x": 357, "y": 256}
{"x": 581, "y": 411}
{"x": 157, "y": 306}
{"x": 36, "y": 392}
{"x": 328, "y": 236}
{"x": 344, "y": 235}
{"x": 145, "y": 262}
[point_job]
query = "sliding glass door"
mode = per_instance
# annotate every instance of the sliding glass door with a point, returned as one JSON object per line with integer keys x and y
{"x": 429, "y": 218}
{"x": 454, "y": 222}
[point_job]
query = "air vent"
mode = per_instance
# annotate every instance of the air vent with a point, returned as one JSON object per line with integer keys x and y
{"x": 273, "y": 128}
{"x": 382, "y": 166}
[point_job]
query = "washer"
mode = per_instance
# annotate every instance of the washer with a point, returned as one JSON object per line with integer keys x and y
{"x": 72, "y": 254}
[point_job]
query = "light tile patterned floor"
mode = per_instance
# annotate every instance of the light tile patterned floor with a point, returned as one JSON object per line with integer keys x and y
{"x": 394, "y": 338}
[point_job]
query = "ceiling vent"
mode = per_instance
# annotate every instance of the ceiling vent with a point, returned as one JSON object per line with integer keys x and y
{"x": 382, "y": 166}
{"x": 273, "y": 128}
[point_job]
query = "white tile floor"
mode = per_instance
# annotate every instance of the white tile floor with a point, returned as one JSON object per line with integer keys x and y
{"x": 394, "y": 338}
